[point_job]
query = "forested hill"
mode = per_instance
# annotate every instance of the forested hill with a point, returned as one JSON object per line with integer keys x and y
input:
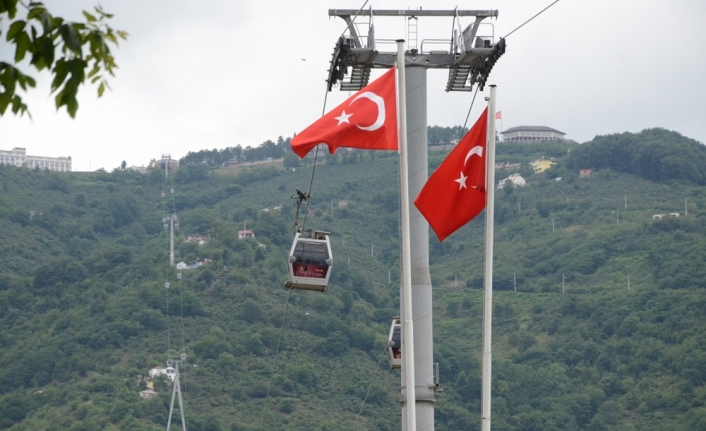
{"x": 599, "y": 315}
{"x": 655, "y": 154}
{"x": 233, "y": 155}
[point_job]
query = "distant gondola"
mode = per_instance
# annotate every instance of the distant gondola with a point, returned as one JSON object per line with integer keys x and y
{"x": 394, "y": 344}
{"x": 310, "y": 262}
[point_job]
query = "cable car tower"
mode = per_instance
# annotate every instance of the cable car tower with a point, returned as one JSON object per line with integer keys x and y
{"x": 176, "y": 391}
{"x": 469, "y": 55}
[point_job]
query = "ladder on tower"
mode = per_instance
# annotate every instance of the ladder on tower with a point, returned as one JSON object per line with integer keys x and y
{"x": 360, "y": 75}
{"x": 412, "y": 23}
{"x": 458, "y": 78}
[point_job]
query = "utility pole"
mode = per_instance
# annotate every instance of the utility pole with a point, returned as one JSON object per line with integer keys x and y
{"x": 176, "y": 391}
{"x": 628, "y": 282}
{"x": 686, "y": 208}
{"x": 469, "y": 58}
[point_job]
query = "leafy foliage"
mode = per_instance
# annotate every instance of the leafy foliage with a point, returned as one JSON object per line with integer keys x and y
{"x": 58, "y": 46}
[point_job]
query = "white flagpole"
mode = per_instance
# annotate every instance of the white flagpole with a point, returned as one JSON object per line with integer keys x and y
{"x": 407, "y": 328}
{"x": 488, "y": 279}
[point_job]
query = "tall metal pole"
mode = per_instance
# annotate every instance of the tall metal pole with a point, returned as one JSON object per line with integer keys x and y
{"x": 409, "y": 394}
{"x": 460, "y": 61}
{"x": 416, "y": 91}
{"x": 488, "y": 279}
{"x": 181, "y": 400}
{"x": 171, "y": 406}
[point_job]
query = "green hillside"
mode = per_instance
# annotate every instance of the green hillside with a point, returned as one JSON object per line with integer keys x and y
{"x": 84, "y": 313}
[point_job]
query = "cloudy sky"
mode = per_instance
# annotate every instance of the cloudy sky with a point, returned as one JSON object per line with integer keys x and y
{"x": 218, "y": 73}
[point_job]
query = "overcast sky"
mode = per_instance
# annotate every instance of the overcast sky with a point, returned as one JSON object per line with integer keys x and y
{"x": 215, "y": 74}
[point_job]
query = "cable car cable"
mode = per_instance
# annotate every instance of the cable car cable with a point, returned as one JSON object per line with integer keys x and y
{"x": 181, "y": 299}
{"x": 166, "y": 263}
{"x": 323, "y": 112}
{"x": 538, "y": 14}
{"x": 465, "y": 123}
{"x": 370, "y": 387}
{"x": 274, "y": 366}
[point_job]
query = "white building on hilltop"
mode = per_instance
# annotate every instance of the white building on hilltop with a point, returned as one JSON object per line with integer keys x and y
{"x": 18, "y": 157}
{"x": 515, "y": 179}
{"x": 156, "y": 371}
{"x": 532, "y": 134}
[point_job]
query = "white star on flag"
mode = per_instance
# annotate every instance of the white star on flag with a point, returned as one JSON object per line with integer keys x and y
{"x": 461, "y": 181}
{"x": 343, "y": 118}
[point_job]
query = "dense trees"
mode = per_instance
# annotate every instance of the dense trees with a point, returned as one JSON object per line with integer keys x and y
{"x": 84, "y": 311}
{"x": 655, "y": 154}
{"x": 238, "y": 154}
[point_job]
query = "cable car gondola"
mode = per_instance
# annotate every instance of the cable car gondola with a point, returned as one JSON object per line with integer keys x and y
{"x": 394, "y": 344}
{"x": 310, "y": 262}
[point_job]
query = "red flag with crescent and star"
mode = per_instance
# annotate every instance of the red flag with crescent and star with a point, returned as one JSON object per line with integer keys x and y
{"x": 367, "y": 120}
{"x": 456, "y": 192}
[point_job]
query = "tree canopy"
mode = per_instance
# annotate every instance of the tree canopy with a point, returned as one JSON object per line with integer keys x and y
{"x": 654, "y": 154}
{"x": 71, "y": 51}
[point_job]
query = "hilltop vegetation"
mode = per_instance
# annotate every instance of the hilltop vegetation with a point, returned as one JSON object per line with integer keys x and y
{"x": 655, "y": 154}
{"x": 84, "y": 313}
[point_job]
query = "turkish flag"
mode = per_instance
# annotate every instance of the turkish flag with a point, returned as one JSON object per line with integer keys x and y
{"x": 367, "y": 120}
{"x": 499, "y": 115}
{"x": 455, "y": 192}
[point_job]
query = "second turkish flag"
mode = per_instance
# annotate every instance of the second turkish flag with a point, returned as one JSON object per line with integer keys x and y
{"x": 367, "y": 120}
{"x": 455, "y": 192}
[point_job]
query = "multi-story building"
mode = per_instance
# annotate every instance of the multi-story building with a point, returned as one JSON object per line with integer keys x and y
{"x": 18, "y": 157}
{"x": 532, "y": 134}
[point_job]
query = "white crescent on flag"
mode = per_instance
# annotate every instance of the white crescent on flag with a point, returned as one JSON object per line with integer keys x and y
{"x": 380, "y": 102}
{"x": 477, "y": 150}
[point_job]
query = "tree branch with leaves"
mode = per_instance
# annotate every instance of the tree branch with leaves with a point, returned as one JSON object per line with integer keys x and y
{"x": 73, "y": 52}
